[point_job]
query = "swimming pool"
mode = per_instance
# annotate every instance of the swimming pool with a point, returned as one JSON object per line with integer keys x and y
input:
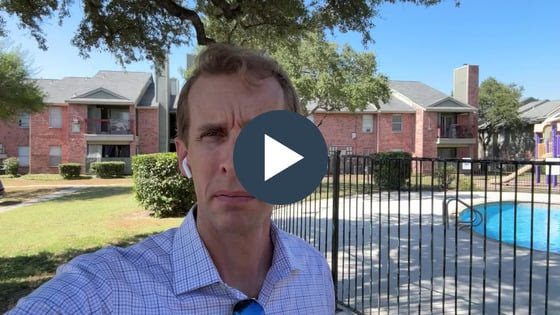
{"x": 523, "y": 223}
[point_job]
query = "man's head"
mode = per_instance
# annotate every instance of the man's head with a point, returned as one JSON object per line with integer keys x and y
{"x": 222, "y": 59}
{"x": 228, "y": 87}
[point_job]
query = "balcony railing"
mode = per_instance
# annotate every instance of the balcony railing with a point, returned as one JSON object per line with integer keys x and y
{"x": 110, "y": 126}
{"x": 456, "y": 131}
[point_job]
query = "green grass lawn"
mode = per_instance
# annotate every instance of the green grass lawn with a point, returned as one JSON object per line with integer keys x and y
{"x": 34, "y": 240}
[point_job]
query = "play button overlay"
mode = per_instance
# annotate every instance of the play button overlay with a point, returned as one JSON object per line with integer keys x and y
{"x": 277, "y": 157}
{"x": 280, "y": 157}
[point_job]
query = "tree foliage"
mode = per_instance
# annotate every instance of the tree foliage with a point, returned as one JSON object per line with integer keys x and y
{"x": 499, "y": 103}
{"x": 331, "y": 78}
{"x": 18, "y": 93}
{"x": 131, "y": 30}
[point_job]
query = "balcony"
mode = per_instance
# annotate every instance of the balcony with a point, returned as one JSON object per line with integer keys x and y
{"x": 109, "y": 129}
{"x": 456, "y": 135}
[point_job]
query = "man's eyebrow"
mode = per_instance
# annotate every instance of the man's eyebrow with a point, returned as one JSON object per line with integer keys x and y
{"x": 217, "y": 126}
{"x": 212, "y": 126}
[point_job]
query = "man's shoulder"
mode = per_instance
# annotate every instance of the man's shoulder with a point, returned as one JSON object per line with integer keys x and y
{"x": 152, "y": 252}
{"x": 86, "y": 283}
{"x": 154, "y": 248}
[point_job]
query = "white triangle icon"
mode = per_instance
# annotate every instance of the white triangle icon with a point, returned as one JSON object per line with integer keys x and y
{"x": 277, "y": 157}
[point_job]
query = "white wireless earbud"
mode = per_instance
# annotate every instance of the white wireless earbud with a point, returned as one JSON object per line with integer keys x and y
{"x": 186, "y": 168}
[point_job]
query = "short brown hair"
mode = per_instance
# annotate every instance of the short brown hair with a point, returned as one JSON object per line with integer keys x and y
{"x": 230, "y": 59}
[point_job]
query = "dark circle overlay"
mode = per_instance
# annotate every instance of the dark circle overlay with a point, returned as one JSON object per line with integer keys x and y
{"x": 295, "y": 132}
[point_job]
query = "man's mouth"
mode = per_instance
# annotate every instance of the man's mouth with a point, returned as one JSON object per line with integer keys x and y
{"x": 233, "y": 196}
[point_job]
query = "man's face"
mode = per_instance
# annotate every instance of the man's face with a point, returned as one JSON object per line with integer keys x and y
{"x": 219, "y": 107}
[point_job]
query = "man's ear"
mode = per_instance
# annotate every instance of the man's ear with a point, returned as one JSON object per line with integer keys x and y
{"x": 182, "y": 153}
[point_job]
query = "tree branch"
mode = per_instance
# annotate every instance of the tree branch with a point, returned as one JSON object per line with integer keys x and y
{"x": 230, "y": 34}
{"x": 321, "y": 121}
{"x": 230, "y": 12}
{"x": 185, "y": 14}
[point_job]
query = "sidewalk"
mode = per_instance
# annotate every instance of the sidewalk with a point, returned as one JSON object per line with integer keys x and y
{"x": 58, "y": 194}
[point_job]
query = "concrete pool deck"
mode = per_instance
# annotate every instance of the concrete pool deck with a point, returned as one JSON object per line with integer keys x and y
{"x": 400, "y": 266}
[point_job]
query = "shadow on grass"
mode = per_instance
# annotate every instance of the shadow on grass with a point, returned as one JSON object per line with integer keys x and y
{"x": 79, "y": 177}
{"x": 95, "y": 193}
{"x": 20, "y": 275}
{"x": 9, "y": 202}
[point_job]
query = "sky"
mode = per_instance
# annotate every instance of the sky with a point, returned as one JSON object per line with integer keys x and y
{"x": 515, "y": 41}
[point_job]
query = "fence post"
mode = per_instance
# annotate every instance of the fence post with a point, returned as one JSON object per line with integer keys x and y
{"x": 334, "y": 242}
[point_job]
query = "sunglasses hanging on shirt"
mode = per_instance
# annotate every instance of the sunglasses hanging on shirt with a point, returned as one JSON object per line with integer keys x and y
{"x": 248, "y": 307}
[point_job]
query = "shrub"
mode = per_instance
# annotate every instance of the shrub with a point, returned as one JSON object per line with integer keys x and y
{"x": 11, "y": 166}
{"x": 160, "y": 187}
{"x": 70, "y": 170}
{"x": 445, "y": 178}
{"x": 391, "y": 170}
{"x": 108, "y": 169}
{"x": 465, "y": 183}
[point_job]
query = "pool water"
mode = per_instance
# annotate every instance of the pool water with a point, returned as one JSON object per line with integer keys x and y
{"x": 523, "y": 234}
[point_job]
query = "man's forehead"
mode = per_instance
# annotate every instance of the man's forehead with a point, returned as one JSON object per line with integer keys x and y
{"x": 222, "y": 99}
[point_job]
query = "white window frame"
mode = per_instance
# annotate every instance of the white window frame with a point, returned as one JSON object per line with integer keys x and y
{"x": 396, "y": 123}
{"x": 344, "y": 149}
{"x": 55, "y": 117}
{"x": 368, "y": 124}
{"x": 23, "y": 159}
{"x": 55, "y": 158}
{"x": 23, "y": 121}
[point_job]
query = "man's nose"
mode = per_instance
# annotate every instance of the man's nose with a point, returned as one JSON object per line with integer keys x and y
{"x": 226, "y": 165}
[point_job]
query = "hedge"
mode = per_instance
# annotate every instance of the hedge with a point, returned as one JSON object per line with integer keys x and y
{"x": 159, "y": 186}
{"x": 70, "y": 170}
{"x": 391, "y": 170}
{"x": 108, "y": 169}
{"x": 11, "y": 166}
{"x": 446, "y": 175}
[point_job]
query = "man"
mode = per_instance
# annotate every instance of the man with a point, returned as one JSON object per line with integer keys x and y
{"x": 227, "y": 257}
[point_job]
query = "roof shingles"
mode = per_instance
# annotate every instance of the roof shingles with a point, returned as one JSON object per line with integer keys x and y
{"x": 130, "y": 85}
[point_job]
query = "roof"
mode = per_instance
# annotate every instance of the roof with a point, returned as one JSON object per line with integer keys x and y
{"x": 418, "y": 92}
{"x": 393, "y": 106}
{"x": 538, "y": 111}
{"x": 105, "y": 86}
{"x": 407, "y": 93}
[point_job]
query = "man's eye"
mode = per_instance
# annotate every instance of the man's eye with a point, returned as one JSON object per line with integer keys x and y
{"x": 212, "y": 133}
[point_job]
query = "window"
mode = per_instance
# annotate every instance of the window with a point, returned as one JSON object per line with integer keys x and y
{"x": 55, "y": 154}
{"x": 116, "y": 151}
{"x": 23, "y": 121}
{"x": 447, "y": 153}
{"x": 367, "y": 123}
{"x": 55, "y": 117}
{"x": 396, "y": 123}
{"x": 23, "y": 156}
{"x": 75, "y": 125}
{"x": 344, "y": 150}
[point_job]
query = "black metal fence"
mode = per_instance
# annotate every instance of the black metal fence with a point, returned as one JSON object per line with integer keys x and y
{"x": 453, "y": 238}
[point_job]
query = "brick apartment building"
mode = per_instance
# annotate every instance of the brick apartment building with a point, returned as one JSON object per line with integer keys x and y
{"x": 417, "y": 119}
{"x": 110, "y": 116}
{"x": 115, "y": 115}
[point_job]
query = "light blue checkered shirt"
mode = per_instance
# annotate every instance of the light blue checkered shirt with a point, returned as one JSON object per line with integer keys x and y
{"x": 172, "y": 273}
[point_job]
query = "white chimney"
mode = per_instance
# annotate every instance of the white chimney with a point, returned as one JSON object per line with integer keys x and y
{"x": 465, "y": 84}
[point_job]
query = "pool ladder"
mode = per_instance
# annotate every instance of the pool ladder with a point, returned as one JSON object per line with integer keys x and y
{"x": 476, "y": 216}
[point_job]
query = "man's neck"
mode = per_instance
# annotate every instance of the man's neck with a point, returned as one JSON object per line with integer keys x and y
{"x": 242, "y": 260}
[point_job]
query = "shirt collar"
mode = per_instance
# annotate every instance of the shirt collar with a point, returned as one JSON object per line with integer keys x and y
{"x": 193, "y": 267}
